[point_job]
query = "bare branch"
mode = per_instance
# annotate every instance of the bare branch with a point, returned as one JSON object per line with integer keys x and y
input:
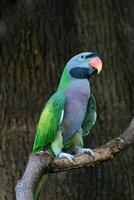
{"x": 42, "y": 164}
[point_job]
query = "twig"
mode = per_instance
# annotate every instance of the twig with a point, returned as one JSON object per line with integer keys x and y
{"x": 42, "y": 164}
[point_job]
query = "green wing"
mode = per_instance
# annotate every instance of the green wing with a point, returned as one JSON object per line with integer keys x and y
{"x": 90, "y": 117}
{"x": 49, "y": 122}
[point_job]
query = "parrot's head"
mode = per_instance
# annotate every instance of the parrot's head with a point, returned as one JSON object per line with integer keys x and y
{"x": 81, "y": 66}
{"x": 84, "y": 65}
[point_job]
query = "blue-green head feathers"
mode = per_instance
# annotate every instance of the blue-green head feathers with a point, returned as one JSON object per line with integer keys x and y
{"x": 81, "y": 66}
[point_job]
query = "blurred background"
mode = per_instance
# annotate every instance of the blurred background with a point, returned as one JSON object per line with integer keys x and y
{"x": 37, "y": 38}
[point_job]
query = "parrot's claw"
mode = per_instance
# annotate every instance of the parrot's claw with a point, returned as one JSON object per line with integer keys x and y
{"x": 86, "y": 150}
{"x": 67, "y": 155}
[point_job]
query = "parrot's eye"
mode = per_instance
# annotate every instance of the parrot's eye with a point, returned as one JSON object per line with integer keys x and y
{"x": 82, "y": 57}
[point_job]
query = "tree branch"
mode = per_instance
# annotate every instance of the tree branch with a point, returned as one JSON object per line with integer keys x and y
{"x": 42, "y": 164}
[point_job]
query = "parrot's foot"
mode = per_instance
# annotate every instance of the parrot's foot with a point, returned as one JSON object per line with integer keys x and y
{"x": 85, "y": 150}
{"x": 67, "y": 155}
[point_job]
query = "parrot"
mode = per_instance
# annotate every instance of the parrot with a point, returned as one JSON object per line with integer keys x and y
{"x": 70, "y": 113}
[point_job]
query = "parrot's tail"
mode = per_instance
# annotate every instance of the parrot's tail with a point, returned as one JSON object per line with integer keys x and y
{"x": 40, "y": 187}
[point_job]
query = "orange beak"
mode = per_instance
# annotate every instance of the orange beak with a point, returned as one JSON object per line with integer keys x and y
{"x": 96, "y": 64}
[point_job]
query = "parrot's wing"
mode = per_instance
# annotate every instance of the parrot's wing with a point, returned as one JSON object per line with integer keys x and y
{"x": 90, "y": 117}
{"x": 49, "y": 122}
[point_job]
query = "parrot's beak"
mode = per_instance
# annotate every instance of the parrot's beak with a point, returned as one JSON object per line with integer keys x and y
{"x": 96, "y": 64}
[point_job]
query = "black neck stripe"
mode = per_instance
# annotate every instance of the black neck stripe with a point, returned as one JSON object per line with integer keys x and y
{"x": 79, "y": 72}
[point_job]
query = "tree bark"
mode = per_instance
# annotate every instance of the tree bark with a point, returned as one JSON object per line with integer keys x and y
{"x": 42, "y": 164}
{"x": 36, "y": 39}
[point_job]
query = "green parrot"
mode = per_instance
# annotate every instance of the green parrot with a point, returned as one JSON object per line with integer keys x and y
{"x": 70, "y": 112}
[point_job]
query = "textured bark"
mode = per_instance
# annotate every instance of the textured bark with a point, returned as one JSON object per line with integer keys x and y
{"x": 36, "y": 39}
{"x": 43, "y": 164}
{"x": 35, "y": 168}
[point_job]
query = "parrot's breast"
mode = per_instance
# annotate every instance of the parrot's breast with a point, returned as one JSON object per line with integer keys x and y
{"x": 76, "y": 99}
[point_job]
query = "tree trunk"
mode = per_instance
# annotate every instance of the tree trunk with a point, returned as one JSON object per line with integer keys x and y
{"x": 36, "y": 39}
